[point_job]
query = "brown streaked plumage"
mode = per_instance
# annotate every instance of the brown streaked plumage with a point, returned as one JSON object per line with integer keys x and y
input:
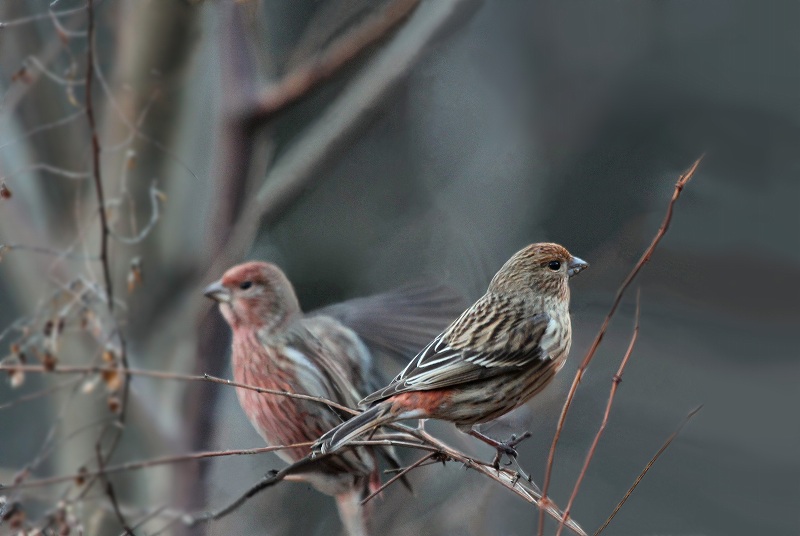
{"x": 326, "y": 354}
{"x": 497, "y": 355}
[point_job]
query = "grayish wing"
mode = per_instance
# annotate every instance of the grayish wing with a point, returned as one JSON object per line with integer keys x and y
{"x": 331, "y": 361}
{"x": 400, "y": 322}
{"x": 441, "y": 364}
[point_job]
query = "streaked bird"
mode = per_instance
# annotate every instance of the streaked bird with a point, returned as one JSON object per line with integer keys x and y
{"x": 498, "y": 354}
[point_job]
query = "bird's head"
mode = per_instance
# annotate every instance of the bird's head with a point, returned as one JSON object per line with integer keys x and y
{"x": 543, "y": 268}
{"x": 254, "y": 295}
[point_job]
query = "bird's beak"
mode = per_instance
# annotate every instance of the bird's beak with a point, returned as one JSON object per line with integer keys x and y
{"x": 575, "y": 265}
{"x": 217, "y": 292}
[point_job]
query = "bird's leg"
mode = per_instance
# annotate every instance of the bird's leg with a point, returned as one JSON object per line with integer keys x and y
{"x": 507, "y": 447}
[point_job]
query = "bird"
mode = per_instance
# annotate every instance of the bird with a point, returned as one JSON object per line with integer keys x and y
{"x": 327, "y": 353}
{"x": 496, "y": 356}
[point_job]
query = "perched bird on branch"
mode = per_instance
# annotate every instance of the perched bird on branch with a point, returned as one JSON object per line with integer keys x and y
{"x": 325, "y": 354}
{"x": 497, "y": 355}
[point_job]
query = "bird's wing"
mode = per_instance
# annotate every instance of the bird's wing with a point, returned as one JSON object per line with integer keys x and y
{"x": 331, "y": 361}
{"x": 400, "y": 322}
{"x": 451, "y": 360}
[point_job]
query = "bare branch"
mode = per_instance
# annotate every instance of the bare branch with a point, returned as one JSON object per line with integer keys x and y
{"x": 158, "y": 374}
{"x": 647, "y": 467}
{"x": 98, "y": 179}
{"x": 682, "y": 181}
{"x": 398, "y": 476}
{"x": 308, "y": 77}
{"x": 153, "y": 462}
{"x": 105, "y": 232}
{"x": 109, "y": 488}
{"x": 615, "y": 381}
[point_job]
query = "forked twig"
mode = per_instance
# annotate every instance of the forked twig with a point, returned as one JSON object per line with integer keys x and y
{"x": 682, "y": 181}
{"x": 647, "y": 467}
{"x": 400, "y": 474}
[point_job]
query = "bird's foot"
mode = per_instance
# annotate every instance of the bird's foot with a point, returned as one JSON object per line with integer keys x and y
{"x": 508, "y": 448}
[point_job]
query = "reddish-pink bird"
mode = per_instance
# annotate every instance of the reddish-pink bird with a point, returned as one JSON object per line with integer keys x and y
{"x": 326, "y": 354}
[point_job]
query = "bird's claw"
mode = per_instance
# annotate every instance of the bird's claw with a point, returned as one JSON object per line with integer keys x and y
{"x": 508, "y": 448}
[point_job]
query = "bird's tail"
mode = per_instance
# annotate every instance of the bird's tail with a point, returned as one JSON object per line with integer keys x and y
{"x": 352, "y": 513}
{"x": 375, "y": 416}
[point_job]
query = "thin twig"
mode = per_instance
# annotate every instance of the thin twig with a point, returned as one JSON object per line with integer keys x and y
{"x": 42, "y": 128}
{"x": 647, "y": 467}
{"x": 161, "y": 375}
{"x": 398, "y": 476}
{"x": 153, "y": 462}
{"x": 435, "y": 448}
{"x": 96, "y": 170}
{"x": 40, "y": 393}
{"x": 109, "y": 489}
{"x": 270, "y": 479}
{"x": 305, "y": 78}
{"x": 105, "y": 232}
{"x": 601, "y": 333}
{"x": 39, "y": 16}
{"x": 615, "y": 381}
{"x": 45, "y": 251}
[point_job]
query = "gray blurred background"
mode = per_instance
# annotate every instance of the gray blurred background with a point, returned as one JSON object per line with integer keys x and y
{"x": 517, "y": 121}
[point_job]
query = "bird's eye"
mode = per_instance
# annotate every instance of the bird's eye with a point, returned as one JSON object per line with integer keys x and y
{"x": 244, "y": 285}
{"x": 554, "y": 265}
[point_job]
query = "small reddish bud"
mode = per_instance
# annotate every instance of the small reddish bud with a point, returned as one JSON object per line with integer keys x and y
{"x": 5, "y": 191}
{"x": 22, "y": 75}
{"x": 21, "y": 476}
{"x": 49, "y": 361}
{"x": 108, "y": 356}
{"x": 114, "y": 404}
{"x": 80, "y": 478}
{"x": 112, "y": 378}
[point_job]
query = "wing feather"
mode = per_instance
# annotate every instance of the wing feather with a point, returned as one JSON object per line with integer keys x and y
{"x": 454, "y": 358}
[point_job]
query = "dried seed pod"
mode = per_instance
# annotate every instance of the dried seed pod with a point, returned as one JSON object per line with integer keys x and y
{"x": 109, "y": 356}
{"x": 49, "y": 361}
{"x": 114, "y": 404}
{"x": 80, "y": 478}
{"x": 112, "y": 378}
{"x": 5, "y": 191}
